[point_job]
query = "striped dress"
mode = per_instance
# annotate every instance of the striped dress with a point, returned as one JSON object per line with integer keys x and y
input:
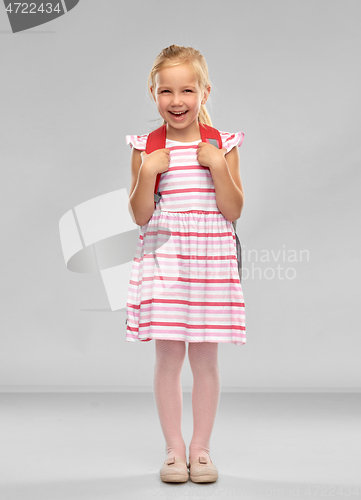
{"x": 184, "y": 281}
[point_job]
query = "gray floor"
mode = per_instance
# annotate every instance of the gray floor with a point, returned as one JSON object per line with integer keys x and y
{"x": 110, "y": 446}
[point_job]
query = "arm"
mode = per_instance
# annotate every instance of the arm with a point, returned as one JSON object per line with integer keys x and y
{"x": 144, "y": 170}
{"x": 226, "y": 178}
{"x": 141, "y": 198}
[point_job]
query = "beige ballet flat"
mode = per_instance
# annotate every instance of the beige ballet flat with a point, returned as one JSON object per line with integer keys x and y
{"x": 174, "y": 470}
{"x": 203, "y": 471}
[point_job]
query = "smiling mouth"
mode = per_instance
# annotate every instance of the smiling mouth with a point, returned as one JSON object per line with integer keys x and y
{"x": 178, "y": 113}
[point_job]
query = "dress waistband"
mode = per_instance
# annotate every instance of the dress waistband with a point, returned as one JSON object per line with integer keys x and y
{"x": 190, "y": 212}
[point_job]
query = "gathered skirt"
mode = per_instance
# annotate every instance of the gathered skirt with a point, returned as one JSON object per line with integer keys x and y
{"x": 184, "y": 281}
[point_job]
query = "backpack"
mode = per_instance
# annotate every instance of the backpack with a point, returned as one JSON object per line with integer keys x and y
{"x": 157, "y": 140}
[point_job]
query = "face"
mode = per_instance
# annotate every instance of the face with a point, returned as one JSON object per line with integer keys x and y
{"x": 179, "y": 96}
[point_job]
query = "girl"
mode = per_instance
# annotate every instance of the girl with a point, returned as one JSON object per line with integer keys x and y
{"x": 184, "y": 284}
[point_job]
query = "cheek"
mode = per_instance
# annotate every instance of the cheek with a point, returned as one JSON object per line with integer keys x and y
{"x": 162, "y": 102}
{"x": 194, "y": 103}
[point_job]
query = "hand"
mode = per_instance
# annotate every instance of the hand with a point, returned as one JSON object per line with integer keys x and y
{"x": 210, "y": 156}
{"x": 156, "y": 162}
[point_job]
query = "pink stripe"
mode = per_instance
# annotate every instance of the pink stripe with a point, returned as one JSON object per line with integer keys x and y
{"x": 197, "y": 168}
{"x": 186, "y": 265}
{"x": 189, "y": 190}
{"x": 194, "y": 327}
{"x": 196, "y": 315}
{"x": 197, "y": 257}
{"x": 188, "y": 234}
{"x": 184, "y": 312}
{"x": 189, "y": 198}
{"x": 186, "y": 149}
{"x": 167, "y": 213}
{"x": 212, "y": 294}
{"x": 189, "y": 303}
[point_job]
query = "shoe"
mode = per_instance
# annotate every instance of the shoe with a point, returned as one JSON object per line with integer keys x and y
{"x": 203, "y": 471}
{"x": 174, "y": 470}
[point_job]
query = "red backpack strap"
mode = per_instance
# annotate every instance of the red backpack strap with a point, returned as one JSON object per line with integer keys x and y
{"x": 156, "y": 140}
{"x": 211, "y": 135}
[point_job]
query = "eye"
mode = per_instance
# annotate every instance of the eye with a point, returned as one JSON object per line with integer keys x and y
{"x": 162, "y": 92}
{"x": 188, "y": 90}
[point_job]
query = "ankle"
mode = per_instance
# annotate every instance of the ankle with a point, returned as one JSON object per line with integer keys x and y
{"x": 195, "y": 454}
{"x": 176, "y": 455}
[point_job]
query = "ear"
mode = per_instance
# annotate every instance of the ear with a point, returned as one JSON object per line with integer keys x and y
{"x": 206, "y": 93}
{"x": 152, "y": 90}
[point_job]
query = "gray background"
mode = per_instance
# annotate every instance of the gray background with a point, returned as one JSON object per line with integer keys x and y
{"x": 287, "y": 74}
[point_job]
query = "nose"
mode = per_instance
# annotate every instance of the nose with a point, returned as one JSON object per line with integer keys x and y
{"x": 176, "y": 99}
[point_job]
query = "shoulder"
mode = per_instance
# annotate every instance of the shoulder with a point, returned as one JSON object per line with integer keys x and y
{"x": 137, "y": 141}
{"x": 230, "y": 140}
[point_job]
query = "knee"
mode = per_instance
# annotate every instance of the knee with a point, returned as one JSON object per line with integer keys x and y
{"x": 170, "y": 355}
{"x": 209, "y": 370}
{"x": 203, "y": 359}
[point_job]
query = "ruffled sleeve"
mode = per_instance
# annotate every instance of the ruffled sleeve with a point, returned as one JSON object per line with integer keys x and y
{"x": 231, "y": 140}
{"x": 137, "y": 141}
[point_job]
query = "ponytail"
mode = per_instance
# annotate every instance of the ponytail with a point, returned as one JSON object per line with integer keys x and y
{"x": 203, "y": 116}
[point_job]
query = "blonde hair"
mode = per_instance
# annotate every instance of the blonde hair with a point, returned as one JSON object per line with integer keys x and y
{"x": 175, "y": 55}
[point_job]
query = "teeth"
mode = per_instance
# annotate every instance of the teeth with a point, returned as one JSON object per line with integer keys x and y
{"x": 178, "y": 113}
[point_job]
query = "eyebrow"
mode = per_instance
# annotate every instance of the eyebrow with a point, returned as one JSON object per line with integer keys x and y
{"x": 169, "y": 86}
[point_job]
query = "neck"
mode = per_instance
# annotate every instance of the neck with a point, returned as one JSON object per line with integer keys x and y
{"x": 189, "y": 134}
